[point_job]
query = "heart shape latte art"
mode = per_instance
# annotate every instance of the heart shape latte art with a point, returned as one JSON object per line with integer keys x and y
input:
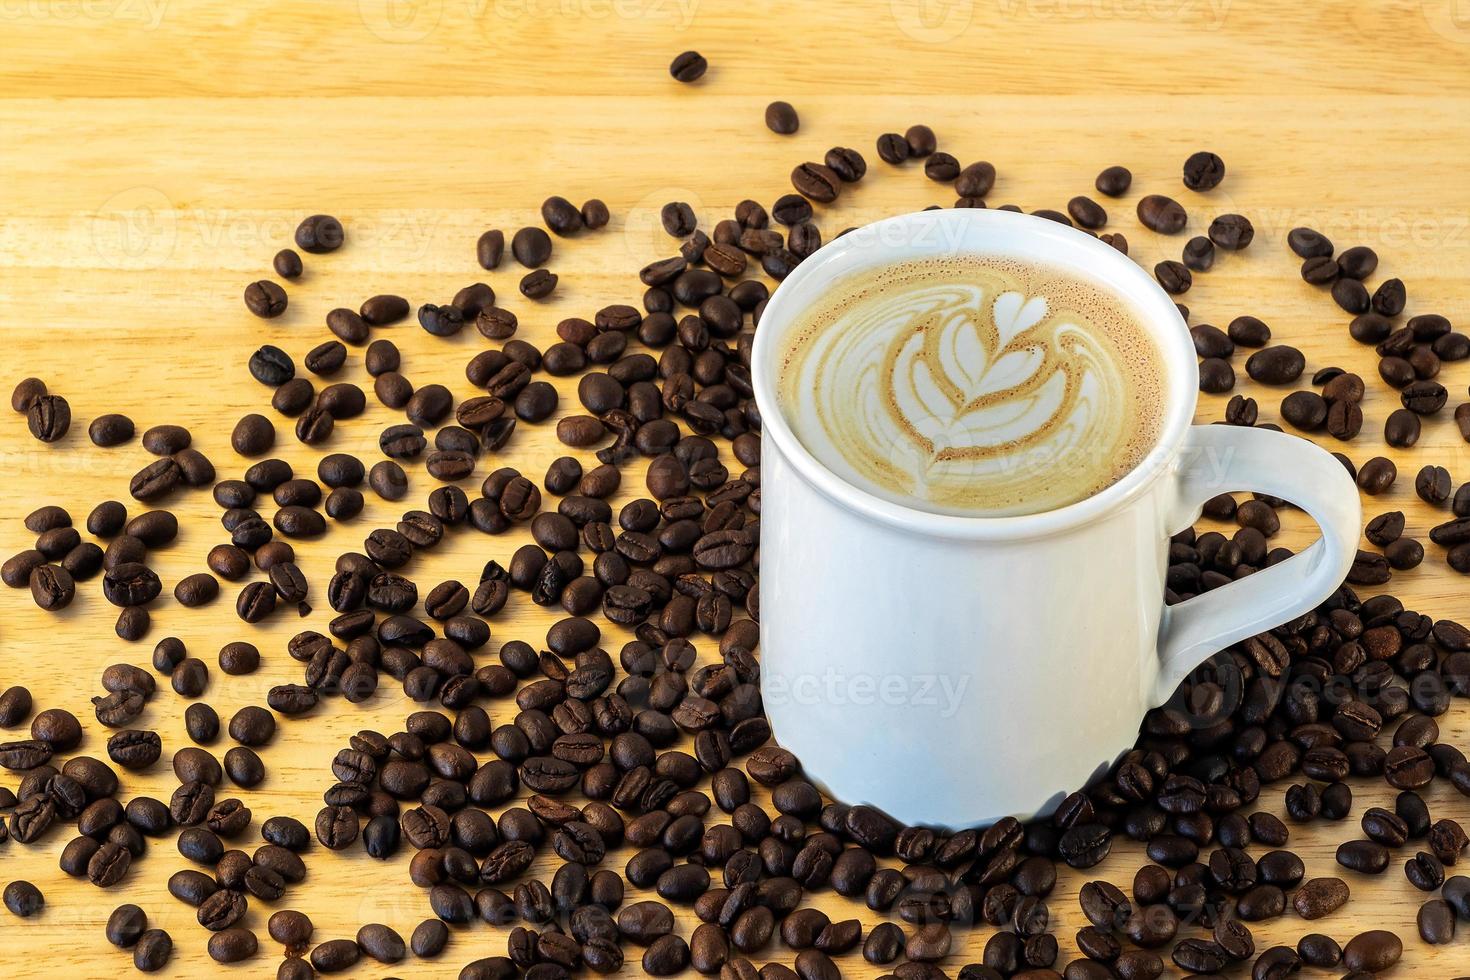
{"x": 974, "y": 386}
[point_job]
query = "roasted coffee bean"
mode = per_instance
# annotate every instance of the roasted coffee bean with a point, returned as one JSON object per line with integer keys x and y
{"x": 781, "y": 118}
{"x": 1114, "y": 181}
{"x": 110, "y": 430}
{"x": 1373, "y": 951}
{"x": 688, "y": 66}
{"x": 23, "y": 899}
{"x": 1320, "y": 896}
{"x": 1203, "y": 171}
{"x": 1173, "y": 276}
{"x": 1199, "y": 254}
{"x": 1306, "y": 410}
{"x": 1276, "y": 365}
{"x": 319, "y": 233}
{"x": 1161, "y": 214}
{"x": 1369, "y": 857}
{"x": 152, "y": 952}
{"x": 265, "y": 299}
{"x": 1401, "y": 428}
{"x": 271, "y": 366}
{"x": 1377, "y": 475}
{"x": 1216, "y": 376}
{"x": 531, "y": 247}
{"x": 892, "y": 148}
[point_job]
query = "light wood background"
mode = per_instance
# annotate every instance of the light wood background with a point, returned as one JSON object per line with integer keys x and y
{"x": 156, "y": 153}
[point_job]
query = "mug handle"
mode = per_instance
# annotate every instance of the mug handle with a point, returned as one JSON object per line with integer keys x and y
{"x": 1220, "y": 458}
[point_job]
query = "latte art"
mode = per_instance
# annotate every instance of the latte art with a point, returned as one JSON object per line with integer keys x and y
{"x": 973, "y": 385}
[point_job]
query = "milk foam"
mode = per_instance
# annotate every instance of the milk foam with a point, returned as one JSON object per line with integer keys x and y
{"x": 973, "y": 385}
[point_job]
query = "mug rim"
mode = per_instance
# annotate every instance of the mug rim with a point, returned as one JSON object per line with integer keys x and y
{"x": 1083, "y": 254}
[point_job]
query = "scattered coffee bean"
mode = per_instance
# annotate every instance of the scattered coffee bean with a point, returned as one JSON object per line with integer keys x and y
{"x": 781, "y": 118}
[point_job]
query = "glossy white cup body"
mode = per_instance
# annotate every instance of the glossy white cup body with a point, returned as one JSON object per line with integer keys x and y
{"x": 953, "y": 670}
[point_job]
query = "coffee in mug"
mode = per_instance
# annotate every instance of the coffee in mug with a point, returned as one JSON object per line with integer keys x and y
{"x": 974, "y": 385}
{"x": 952, "y": 644}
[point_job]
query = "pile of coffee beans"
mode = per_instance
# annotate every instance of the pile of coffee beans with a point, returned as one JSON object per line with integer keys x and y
{"x": 662, "y": 751}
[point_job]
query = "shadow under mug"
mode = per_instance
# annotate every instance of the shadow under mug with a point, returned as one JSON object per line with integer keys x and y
{"x": 953, "y": 670}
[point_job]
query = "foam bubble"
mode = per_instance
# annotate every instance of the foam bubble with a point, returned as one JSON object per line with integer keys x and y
{"x": 972, "y": 384}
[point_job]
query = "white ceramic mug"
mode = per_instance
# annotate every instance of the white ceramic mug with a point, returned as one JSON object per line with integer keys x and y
{"x": 953, "y": 670}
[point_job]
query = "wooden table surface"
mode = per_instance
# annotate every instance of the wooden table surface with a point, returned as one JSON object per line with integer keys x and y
{"x": 156, "y": 153}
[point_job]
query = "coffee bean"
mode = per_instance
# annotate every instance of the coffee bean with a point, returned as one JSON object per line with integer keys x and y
{"x": 1344, "y": 419}
{"x": 1248, "y": 331}
{"x": 561, "y": 216}
{"x": 1358, "y": 262}
{"x": 1216, "y": 376}
{"x": 538, "y": 284}
{"x": 1366, "y": 856}
{"x": 1401, "y": 428}
{"x": 667, "y": 955}
{"x": 381, "y": 943}
{"x": 1373, "y": 951}
{"x": 1432, "y": 484}
{"x": 688, "y": 66}
{"x": 1423, "y": 397}
{"x": 941, "y": 167}
{"x": 1377, "y": 475}
{"x": 1276, "y": 365}
{"x": 232, "y": 945}
{"x": 1162, "y": 214}
{"x": 126, "y": 925}
{"x": 781, "y": 118}
{"x": 1320, "y": 896}
{"x": 1306, "y": 410}
{"x": 271, "y": 366}
{"x": 1203, "y": 171}
{"x": 1436, "y": 922}
{"x": 892, "y": 148}
{"x": 52, "y": 587}
{"x": 1307, "y": 243}
{"x": 1086, "y": 212}
{"x": 319, "y": 234}
{"x": 110, "y": 430}
{"x": 818, "y": 182}
{"x": 152, "y": 952}
{"x": 531, "y": 247}
{"x": 287, "y": 264}
{"x": 1232, "y": 231}
{"x": 265, "y": 299}
{"x": 26, "y": 392}
{"x": 847, "y": 163}
{"x": 1319, "y": 271}
{"x": 1173, "y": 276}
{"x": 23, "y": 899}
{"x": 1386, "y": 528}
{"x": 1199, "y": 254}
{"x": 1114, "y": 181}
{"x": 49, "y": 417}
{"x": 388, "y": 480}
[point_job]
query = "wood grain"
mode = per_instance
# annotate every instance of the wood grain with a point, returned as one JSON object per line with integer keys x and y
{"x": 158, "y": 152}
